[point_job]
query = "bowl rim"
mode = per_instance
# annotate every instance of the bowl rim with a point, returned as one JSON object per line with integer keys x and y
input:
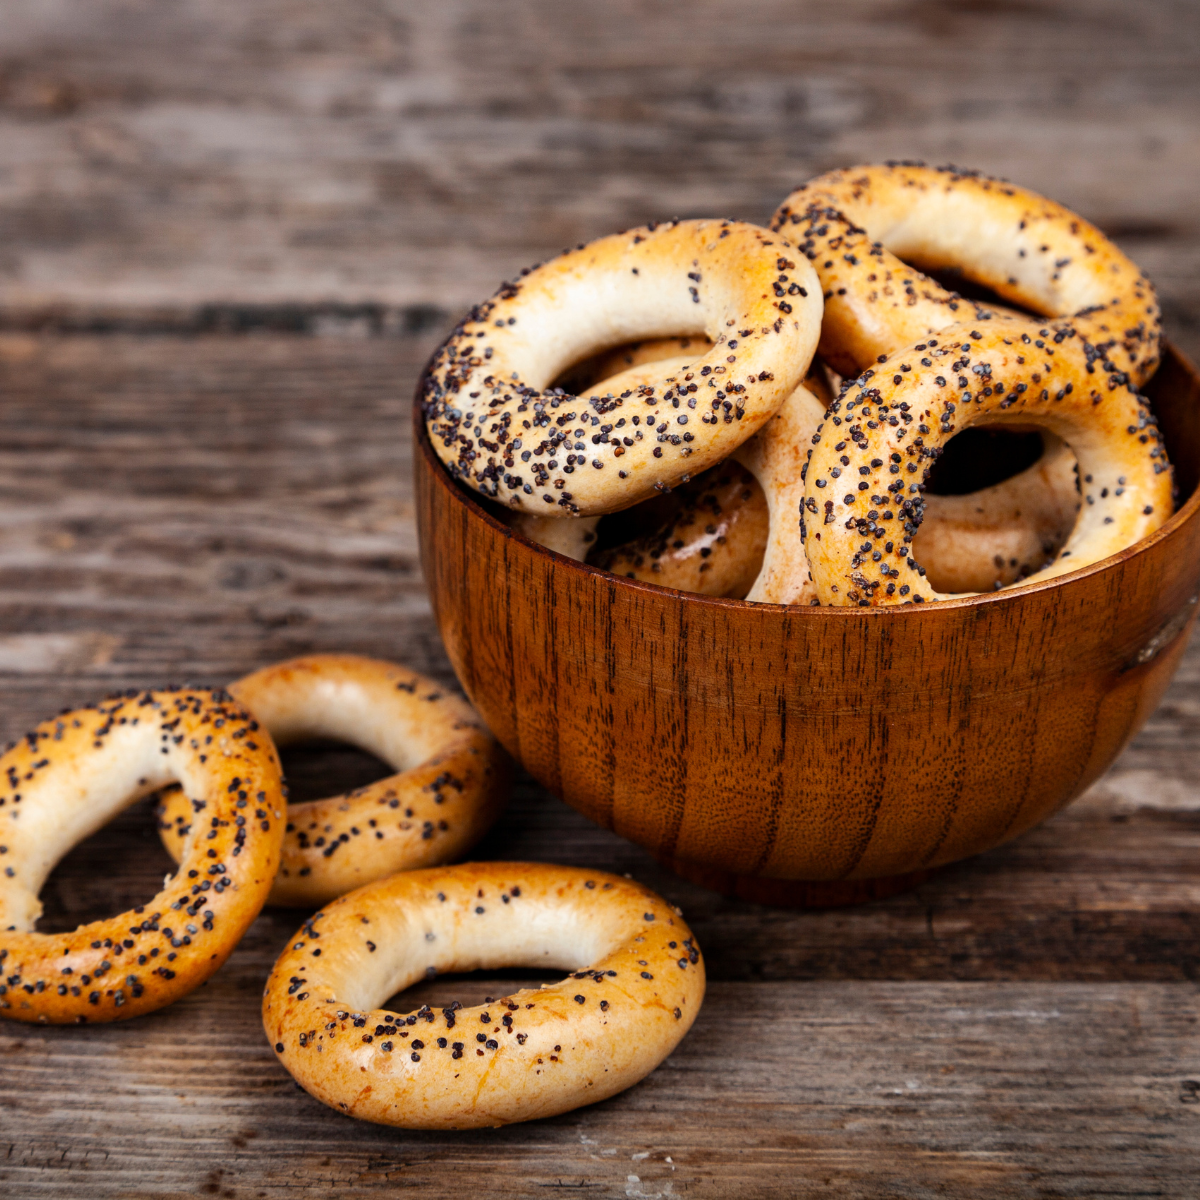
{"x": 1013, "y": 593}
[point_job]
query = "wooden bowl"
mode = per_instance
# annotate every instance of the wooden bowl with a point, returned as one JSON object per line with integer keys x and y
{"x": 812, "y": 755}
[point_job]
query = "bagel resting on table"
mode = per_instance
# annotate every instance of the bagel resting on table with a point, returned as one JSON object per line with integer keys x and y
{"x": 635, "y": 986}
{"x": 75, "y": 772}
{"x": 451, "y": 782}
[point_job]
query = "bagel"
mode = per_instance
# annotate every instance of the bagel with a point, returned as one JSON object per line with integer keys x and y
{"x": 713, "y": 542}
{"x": 852, "y": 224}
{"x": 572, "y": 539}
{"x": 975, "y": 542}
{"x": 451, "y": 783}
{"x": 668, "y": 357}
{"x": 708, "y": 543}
{"x": 776, "y": 458}
{"x": 498, "y": 426}
{"x": 636, "y": 985}
{"x": 1028, "y": 250}
{"x": 885, "y": 431}
{"x": 75, "y": 772}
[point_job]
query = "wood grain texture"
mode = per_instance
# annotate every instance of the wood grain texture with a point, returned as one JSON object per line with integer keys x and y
{"x": 211, "y": 164}
{"x": 179, "y": 507}
{"x": 815, "y": 1089}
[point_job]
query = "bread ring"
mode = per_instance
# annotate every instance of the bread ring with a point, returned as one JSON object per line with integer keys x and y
{"x": 75, "y": 772}
{"x": 498, "y": 426}
{"x": 636, "y": 986}
{"x": 1020, "y": 374}
{"x": 968, "y": 543}
{"x": 712, "y": 544}
{"x": 451, "y": 784}
{"x": 1027, "y": 249}
{"x": 574, "y": 538}
{"x": 853, "y": 223}
{"x": 975, "y": 542}
{"x": 776, "y": 458}
{"x": 998, "y": 535}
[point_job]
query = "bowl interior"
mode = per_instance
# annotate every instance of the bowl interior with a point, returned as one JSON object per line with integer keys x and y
{"x": 1174, "y": 394}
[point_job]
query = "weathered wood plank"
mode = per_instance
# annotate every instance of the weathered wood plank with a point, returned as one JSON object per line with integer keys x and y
{"x": 783, "y": 1089}
{"x": 209, "y": 163}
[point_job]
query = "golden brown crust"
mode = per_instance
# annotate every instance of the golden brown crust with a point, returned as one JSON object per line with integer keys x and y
{"x": 66, "y": 779}
{"x": 498, "y": 425}
{"x": 639, "y": 365}
{"x": 572, "y": 539}
{"x": 974, "y": 542}
{"x": 713, "y": 544}
{"x": 776, "y": 457}
{"x": 452, "y": 779}
{"x": 863, "y": 501}
{"x": 1027, "y": 249}
{"x": 973, "y": 365}
{"x": 636, "y": 986}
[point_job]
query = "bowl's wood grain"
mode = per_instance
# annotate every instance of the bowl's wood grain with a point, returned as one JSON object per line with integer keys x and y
{"x": 812, "y": 744}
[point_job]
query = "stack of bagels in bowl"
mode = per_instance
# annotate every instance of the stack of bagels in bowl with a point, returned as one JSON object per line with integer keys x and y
{"x": 914, "y": 364}
{"x": 696, "y": 561}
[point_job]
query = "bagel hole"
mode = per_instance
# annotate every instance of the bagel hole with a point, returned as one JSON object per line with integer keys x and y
{"x": 318, "y": 768}
{"x": 954, "y": 280}
{"x": 119, "y": 867}
{"x": 638, "y": 521}
{"x": 470, "y": 988}
{"x": 605, "y": 363}
{"x": 981, "y": 457}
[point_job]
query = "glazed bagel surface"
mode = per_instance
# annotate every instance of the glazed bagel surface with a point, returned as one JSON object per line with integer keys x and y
{"x": 635, "y": 986}
{"x": 452, "y": 779}
{"x": 733, "y": 533}
{"x": 776, "y": 458}
{"x": 1074, "y": 376}
{"x": 712, "y": 544}
{"x": 499, "y": 426}
{"x": 74, "y": 773}
{"x": 857, "y": 225}
{"x": 863, "y": 503}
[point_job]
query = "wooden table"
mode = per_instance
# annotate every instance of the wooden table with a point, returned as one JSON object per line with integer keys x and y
{"x": 231, "y": 234}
